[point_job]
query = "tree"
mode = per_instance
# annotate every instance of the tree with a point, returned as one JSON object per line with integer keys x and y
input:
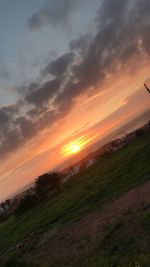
{"x": 26, "y": 203}
{"x": 139, "y": 132}
{"x": 3, "y": 206}
{"x": 8, "y": 203}
{"x": 47, "y": 182}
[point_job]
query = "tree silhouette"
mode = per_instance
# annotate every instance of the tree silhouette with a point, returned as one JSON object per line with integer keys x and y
{"x": 47, "y": 182}
{"x": 25, "y": 204}
{"x": 8, "y": 203}
{"x": 3, "y": 206}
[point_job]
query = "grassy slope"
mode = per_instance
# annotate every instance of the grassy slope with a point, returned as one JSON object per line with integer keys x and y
{"x": 112, "y": 175}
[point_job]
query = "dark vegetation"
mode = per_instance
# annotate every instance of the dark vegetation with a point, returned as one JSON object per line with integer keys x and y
{"x": 16, "y": 260}
{"x": 48, "y": 182}
{"x": 44, "y": 184}
{"x": 139, "y": 132}
{"x": 26, "y": 203}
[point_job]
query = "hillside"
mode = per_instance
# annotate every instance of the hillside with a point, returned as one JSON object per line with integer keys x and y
{"x": 99, "y": 219}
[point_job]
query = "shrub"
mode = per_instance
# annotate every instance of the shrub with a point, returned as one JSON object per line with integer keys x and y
{"x": 28, "y": 202}
{"x": 139, "y": 132}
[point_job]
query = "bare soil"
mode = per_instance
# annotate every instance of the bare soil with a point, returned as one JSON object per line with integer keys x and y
{"x": 84, "y": 235}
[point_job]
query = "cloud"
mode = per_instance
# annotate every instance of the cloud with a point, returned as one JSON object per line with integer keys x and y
{"x": 59, "y": 66}
{"x": 26, "y": 127}
{"x": 33, "y": 112}
{"x": 112, "y": 10}
{"x": 40, "y": 95}
{"x": 121, "y": 36}
{"x": 7, "y": 113}
{"x": 43, "y": 93}
{"x": 81, "y": 43}
{"x": 53, "y": 13}
{"x": 14, "y": 130}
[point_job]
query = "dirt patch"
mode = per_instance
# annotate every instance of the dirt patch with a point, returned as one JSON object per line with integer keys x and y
{"x": 84, "y": 235}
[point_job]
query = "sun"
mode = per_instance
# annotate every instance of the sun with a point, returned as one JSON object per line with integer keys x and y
{"x": 74, "y": 148}
{"x": 71, "y": 148}
{"x": 77, "y": 145}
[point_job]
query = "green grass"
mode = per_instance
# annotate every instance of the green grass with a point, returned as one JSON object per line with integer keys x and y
{"x": 109, "y": 177}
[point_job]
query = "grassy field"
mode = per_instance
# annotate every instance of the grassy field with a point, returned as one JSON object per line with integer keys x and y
{"x": 111, "y": 176}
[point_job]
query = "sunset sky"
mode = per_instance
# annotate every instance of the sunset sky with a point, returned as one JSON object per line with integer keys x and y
{"x": 71, "y": 72}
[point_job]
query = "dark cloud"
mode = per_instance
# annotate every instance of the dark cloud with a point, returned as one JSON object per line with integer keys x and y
{"x": 14, "y": 130}
{"x": 4, "y": 117}
{"x": 59, "y": 66}
{"x": 53, "y": 13}
{"x": 8, "y": 134}
{"x": 112, "y": 10}
{"x": 7, "y": 113}
{"x": 81, "y": 43}
{"x": 41, "y": 95}
{"x": 26, "y": 127}
{"x": 33, "y": 111}
{"x": 10, "y": 142}
{"x": 143, "y": 9}
{"x": 122, "y": 34}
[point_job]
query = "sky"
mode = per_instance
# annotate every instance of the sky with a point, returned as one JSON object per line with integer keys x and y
{"x": 71, "y": 73}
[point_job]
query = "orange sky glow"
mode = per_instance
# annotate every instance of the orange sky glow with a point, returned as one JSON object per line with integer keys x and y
{"x": 92, "y": 118}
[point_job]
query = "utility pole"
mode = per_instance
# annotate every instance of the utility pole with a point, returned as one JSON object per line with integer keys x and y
{"x": 148, "y": 90}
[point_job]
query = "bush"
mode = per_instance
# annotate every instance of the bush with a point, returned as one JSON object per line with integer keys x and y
{"x": 139, "y": 132}
{"x": 28, "y": 202}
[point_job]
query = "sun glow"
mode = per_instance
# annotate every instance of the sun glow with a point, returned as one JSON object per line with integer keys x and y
{"x": 77, "y": 145}
{"x": 71, "y": 148}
